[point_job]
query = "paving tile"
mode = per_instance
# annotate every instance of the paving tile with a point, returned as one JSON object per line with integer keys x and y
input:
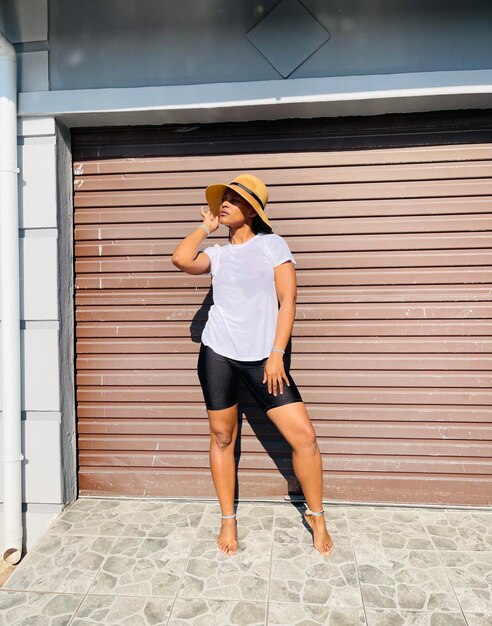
{"x": 478, "y": 619}
{"x": 110, "y": 506}
{"x": 311, "y": 614}
{"x": 82, "y": 523}
{"x": 203, "y": 612}
{"x": 254, "y": 522}
{"x": 143, "y": 567}
{"x": 459, "y": 530}
{"x": 300, "y": 574}
{"x": 22, "y": 608}
{"x": 123, "y": 611}
{"x": 404, "y": 579}
{"x": 146, "y": 561}
{"x": 95, "y": 517}
{"x": 470, "y": 574}
{"x": 214, "y": 575}
{"x": 388, "y": 617}
{"x": 85, "y": 504}
{"x": 65, "y": 564}
{"x": 165, "y": 519}
{"x": 387, "y": 528}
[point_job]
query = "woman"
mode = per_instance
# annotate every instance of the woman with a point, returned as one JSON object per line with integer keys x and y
{"x": 245, "y": 338}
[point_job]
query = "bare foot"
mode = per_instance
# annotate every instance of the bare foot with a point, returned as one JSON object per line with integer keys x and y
{"x": 322, "y": 538}
{"x": 227, "y": 539}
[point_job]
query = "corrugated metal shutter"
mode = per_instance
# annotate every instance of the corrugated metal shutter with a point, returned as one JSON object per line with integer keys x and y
{"x": 391, "y": 344}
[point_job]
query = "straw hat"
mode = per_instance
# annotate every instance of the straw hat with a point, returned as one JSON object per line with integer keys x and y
{"x": 248, "y": 186}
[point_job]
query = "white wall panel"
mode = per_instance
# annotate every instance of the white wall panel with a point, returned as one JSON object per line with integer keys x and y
{"x": 35, "y": 519}
{"x": 41, "y": 465}
{"x": 39, "y": 362}
{"x": 35, "y": 127}
{"x": 37, "y": 185}
{"x": 41, "y": 376}
{"x": 39, "y": 278}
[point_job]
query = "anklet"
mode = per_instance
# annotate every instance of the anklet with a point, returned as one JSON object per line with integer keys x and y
{"x": 309, "y": 512}
{"x": 226, "y": 516}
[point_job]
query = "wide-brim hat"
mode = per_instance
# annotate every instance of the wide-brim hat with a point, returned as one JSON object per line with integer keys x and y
{"x": 250, "y": 187}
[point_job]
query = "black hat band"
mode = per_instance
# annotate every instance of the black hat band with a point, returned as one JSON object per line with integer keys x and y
{"x": 251, "y": 193}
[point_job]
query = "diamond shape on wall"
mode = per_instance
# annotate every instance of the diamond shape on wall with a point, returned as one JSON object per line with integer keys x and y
{"x": 288, "y": 35}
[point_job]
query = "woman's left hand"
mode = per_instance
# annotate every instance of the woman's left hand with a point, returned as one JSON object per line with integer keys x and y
{"x": 275, "y": 373}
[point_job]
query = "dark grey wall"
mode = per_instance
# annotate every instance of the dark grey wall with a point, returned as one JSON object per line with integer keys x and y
{"x": 393, "y": 36}
{"x": 135, "y": 43}
{"x": 66, "y": 315}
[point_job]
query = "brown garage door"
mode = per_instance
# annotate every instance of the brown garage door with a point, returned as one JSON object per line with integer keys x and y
{"x": 391, "y": 346}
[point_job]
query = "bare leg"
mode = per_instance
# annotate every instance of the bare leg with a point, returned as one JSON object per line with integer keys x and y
{"x": 293, "y": 422}
{"x": 223, "y": 433}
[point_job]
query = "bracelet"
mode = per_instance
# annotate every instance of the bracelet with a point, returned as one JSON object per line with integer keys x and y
{"x": 206, "y": 228}
{"x": 278, "y": 350}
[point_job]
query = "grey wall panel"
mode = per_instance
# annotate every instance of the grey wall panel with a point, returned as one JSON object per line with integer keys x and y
{"x": 32, "y": 71}
{"x": 125, "y": 43}
{"x": 24, "y": 20}
{"x": 121, "y": 43}
{"x": 383, "y": 36}
{"x": 65, "y": 301}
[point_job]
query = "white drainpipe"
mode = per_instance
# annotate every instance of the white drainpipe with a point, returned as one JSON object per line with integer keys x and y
{"x": 10, "y": 312}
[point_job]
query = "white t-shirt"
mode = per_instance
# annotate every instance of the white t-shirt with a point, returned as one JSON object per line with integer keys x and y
{"x": 242, "y": 320}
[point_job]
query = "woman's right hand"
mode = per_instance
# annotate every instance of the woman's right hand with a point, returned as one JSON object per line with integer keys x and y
{"x": 210, "y": 220}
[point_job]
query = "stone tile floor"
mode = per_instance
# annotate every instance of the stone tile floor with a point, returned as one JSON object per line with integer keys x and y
{"x": 155, "y": 562}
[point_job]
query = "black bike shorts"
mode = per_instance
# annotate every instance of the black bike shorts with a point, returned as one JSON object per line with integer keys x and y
{"x": 219, "y": 378}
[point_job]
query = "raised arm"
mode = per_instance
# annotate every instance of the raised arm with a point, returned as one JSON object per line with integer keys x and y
{"x": 185, "y": 255}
